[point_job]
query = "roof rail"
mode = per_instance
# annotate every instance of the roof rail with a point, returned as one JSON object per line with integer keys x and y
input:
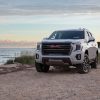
{"x": 83, "y": 29}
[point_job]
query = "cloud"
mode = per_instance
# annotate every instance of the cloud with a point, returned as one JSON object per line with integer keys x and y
{"x": 34, "y": 7}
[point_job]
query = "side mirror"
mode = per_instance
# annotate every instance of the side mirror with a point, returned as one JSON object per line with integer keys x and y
{"x": 91, "y": 39}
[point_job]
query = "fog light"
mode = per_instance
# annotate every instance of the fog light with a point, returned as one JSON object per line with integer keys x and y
{"x": 78, "y": 56}
{"x": 37, "y": 56}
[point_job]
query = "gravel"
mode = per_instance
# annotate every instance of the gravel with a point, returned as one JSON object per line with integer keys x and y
{"x": 54, "y": 85}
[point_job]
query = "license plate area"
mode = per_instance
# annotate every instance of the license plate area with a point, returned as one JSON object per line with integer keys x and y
{"x": 55, "y": 60}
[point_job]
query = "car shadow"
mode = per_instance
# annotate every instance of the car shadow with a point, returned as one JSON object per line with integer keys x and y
{"x": 63, "y": 71}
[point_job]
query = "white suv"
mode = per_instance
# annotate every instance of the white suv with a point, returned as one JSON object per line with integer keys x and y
{"x": 67, "y": 48}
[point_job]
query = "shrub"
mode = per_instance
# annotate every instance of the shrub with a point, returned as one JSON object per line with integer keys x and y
{"x": 25, "y": 60}
{"x": 22, "y": 60}
{"x": 10, "y": 62}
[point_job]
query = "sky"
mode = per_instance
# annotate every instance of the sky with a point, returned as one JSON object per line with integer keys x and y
{"x": 29, "y": 21}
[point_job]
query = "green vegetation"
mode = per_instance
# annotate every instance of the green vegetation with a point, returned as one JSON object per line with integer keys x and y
{"x": 23, "y": 60}
{"x": 9, "y": 62}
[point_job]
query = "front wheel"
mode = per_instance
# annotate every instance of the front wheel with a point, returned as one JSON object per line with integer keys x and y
{"x": 41, "y": 67}
{"x": 85, "y": 66}
{"x": 38, "y": 67}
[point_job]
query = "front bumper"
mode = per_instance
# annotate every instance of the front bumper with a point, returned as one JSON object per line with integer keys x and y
{"x": 60, "y": 59}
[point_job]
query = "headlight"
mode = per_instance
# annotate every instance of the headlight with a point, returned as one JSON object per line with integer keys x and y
{"x": 39, "y": 46}
{"x": 76, "y": 47}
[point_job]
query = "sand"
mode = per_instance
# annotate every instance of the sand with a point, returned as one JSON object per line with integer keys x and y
{"x": 27, "y": 84}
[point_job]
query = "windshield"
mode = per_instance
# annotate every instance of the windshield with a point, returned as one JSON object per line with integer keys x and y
{"x": 67, "y": 35}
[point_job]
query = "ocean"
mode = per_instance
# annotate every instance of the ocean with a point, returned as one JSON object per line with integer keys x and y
{"x": 11, "y": 53}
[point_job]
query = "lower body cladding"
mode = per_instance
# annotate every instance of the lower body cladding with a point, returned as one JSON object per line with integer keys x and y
{"x": 55, "y": 60}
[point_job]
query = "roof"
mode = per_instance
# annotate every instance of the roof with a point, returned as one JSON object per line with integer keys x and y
{"x": 80, "y": 29}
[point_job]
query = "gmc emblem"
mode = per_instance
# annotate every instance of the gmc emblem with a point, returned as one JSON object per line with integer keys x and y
{"x": 54, "y": 46}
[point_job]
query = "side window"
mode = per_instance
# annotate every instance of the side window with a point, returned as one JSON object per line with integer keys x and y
{"x": 92, "y": 38}
{"x": 88, "y": 35}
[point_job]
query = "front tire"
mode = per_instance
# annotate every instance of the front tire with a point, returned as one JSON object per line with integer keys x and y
{"x": 38, "y": 67}
{"x": 41, "y": 67}
{"x": 85, "y": 66}
{"x": 45, "y": 68}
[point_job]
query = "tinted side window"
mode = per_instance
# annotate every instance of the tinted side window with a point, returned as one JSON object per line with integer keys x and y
{"x": 88, "y": 34}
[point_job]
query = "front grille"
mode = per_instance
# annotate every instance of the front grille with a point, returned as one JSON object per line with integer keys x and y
{"x": 56, "y": 48}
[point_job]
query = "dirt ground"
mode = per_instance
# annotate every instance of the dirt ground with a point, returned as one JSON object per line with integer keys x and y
{"x": 54, "y": 85}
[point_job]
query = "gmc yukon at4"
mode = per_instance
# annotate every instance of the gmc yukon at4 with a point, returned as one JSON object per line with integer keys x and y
{"x": 76, "y": 47}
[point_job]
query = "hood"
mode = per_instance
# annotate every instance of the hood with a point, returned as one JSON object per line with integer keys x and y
{"x": 63, "y": 41}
